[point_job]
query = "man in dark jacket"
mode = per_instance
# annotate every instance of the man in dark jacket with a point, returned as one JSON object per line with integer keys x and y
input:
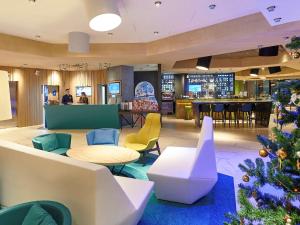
{"x": 67, "y": 98}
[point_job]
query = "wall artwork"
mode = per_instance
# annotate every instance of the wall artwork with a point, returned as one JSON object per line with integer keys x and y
{"x": 144, "y": 99}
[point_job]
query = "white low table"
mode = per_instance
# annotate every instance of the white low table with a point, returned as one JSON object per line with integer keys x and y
{"x": 106, "y": 155}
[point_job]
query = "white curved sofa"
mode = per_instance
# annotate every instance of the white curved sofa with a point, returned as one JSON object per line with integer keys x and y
{"x": 185, "y": 175}
{"x": 93, "y": 195}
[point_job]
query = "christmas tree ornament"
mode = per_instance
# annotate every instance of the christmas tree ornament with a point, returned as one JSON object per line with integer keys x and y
{"x": 298, "y": 164}
{"x": 263, "y": 152}
{"x": 246, "y": 178}
{"x": 298, "y": 154}
{"x": 296, "y": 190}
{"x": 279, "y": 116}
{"x": 281, "y": 153}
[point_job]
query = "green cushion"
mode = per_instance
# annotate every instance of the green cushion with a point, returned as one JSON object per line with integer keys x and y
{"x": 60, "y": 151}
{"x": 49, "y": 142}
{"x": 38, "y": 216}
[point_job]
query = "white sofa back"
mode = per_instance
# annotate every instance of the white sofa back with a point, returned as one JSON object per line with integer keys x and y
{"x": 204, "y": 164}
{"x": 90, "y": 191}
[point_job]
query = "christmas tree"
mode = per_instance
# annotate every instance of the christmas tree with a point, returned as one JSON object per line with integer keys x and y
{"x": 270, "y": 194}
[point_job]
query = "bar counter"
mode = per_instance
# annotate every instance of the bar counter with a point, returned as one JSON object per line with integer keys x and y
{"x": 181, "y": 103}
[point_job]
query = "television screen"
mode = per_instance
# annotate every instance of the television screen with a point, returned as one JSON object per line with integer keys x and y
{"x": 86, "y": 89}
{"x": 194, "y": 88}
{"x": 114, "y": 88}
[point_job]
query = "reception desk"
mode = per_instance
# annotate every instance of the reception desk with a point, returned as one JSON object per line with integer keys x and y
{"x": 81, "y": 116}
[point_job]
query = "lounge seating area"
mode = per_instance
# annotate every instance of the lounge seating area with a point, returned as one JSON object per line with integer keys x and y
{"x": 135, "y": 112}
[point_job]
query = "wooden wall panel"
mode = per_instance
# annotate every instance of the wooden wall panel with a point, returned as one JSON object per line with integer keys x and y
{"x": 30, "y": 106}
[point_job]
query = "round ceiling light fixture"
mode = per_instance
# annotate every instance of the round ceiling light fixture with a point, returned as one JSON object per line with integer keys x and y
{"x": 104, "y": 15}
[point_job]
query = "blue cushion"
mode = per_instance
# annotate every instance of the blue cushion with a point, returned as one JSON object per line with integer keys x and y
{"x": 38, "y": 216}
{"x": 104, "y": 136}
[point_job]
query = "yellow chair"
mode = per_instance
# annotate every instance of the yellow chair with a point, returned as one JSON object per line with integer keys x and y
{"x": 146, "y": 140}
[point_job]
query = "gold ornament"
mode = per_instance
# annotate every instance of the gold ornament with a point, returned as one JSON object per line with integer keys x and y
{"x": 281, "y": 153}
{"x": 298, "y": 154}
{"x": 272, "y": 137}
{"x": 296, "y": 190}
{"x": 298, "y": 164}
{"x": 246, "y": 178}
{"x": 263, "y": 153}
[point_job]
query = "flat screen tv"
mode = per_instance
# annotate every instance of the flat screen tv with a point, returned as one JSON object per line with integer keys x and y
{"x": 114, "y": 88}
{"x": 194, "y": 88}
{"x": 86, "y": 89}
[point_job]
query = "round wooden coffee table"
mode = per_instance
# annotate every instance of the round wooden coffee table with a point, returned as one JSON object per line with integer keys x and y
{"x": 106, "y": 155}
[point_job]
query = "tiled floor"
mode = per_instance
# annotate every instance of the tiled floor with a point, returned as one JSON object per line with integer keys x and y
{"x": 233, "y": 145}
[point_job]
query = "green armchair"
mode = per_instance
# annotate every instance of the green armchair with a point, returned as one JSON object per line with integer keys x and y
{"x": 15, "y": 215}
{"x": 58, "y": 143}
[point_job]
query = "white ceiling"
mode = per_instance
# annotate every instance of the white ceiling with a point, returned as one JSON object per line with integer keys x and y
{"x": 54, "y": 19}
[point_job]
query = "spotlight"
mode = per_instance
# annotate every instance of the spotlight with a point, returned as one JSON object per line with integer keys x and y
{"x": 277, "y": 20}
{"x": 254, "y": 72}
{"x": 212, "y": 6}
{"x": 269, "y": 51}
{"x": 203, "y": 63}
{"x": 274, "y": 69}
{"x": 271, "y": 8}
{"x": 157, "y": 3}
{"x": 156, "y": 32}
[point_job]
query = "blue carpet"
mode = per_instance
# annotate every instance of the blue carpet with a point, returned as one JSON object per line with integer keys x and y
{"x": 209, "y": 210}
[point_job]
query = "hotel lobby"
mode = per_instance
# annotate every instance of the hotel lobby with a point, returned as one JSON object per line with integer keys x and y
{"x": 145, "y": 112}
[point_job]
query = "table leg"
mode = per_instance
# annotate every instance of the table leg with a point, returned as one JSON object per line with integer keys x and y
{"x": 120, "y": 171}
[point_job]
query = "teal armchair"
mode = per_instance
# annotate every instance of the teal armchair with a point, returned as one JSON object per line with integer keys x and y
{"x": 15, "y": 215}
{"x": 58, "y": 143}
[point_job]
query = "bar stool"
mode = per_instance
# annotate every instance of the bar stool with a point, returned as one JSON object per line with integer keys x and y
{"x": 246, "y": 110}
{"x": 262, "y": 113}
{"x": 204, "y": 110}
{"x": 232, "y": 108}
{"x": 218, "y": 112}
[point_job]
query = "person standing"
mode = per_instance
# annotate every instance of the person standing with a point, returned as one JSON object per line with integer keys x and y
{"x": 83, "y": 98}
{"x": 67, "y": 98}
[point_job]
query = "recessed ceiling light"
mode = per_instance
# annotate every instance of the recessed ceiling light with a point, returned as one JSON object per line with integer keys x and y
{"x": 25, "y": 64}
{"x": 271, "y": 8}
{"x": 105, "y": 22}
{"x": 156, "y": 32}
{"x": 157, "y": 3}
{"x": 277, "y": 20}
{"x": 286, "y": 38}
{"x": 110, "y": 34}
{"x": 212, "y": 6}
{"x": 37, "y": 36}
{"x": 32, "y": 1}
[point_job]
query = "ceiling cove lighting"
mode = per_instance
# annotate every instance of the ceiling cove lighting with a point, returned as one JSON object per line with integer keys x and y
{"x": 254, "y": 72}
{"x": 203, "y": 63}
{"x": 104, "y": 14}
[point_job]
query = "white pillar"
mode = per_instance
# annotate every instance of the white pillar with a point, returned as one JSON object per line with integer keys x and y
{"x": 5, "y": 106}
